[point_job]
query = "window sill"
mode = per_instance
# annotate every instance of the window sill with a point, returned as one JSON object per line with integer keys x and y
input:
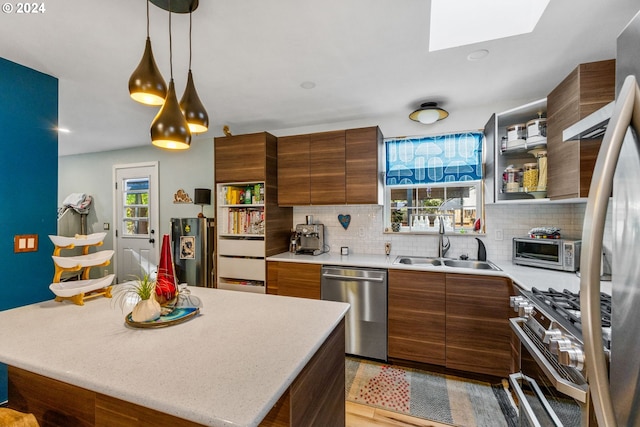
{"x": 459, "y": 232}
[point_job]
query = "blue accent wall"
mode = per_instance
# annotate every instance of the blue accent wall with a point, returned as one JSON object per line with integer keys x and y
{"x": 28, "y": 185}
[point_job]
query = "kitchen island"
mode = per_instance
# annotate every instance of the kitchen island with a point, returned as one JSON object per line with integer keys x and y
{"x": 245, "y": 360}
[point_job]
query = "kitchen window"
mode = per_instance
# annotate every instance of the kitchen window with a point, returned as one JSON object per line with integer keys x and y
{"x": 434, "y": 180}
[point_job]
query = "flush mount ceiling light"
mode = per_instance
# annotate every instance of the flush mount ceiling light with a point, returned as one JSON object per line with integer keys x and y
{"x": 477, "y": 55}
{"x": 169, "y": 129}
{"x": 428, "y": 113}
{"x": 190, "y": 103}
{"x": 146, "y": 84}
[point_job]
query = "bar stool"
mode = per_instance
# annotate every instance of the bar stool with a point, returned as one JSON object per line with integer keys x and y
{"x": 11, "y": 418}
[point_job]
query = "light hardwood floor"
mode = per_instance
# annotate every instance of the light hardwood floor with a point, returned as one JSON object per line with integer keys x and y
{"x": 367, "y": 416}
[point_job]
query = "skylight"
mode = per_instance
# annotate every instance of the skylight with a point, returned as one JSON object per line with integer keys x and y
{"x": 462, "y": 22}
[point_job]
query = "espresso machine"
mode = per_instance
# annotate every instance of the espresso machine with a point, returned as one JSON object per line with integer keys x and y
{"x": 310, "y": 238}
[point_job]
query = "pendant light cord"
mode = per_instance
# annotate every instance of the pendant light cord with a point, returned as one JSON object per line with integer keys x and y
{"x": 190, "y": 38}
{"x": 147, "y": 18}
{"x": 170, "y": 47}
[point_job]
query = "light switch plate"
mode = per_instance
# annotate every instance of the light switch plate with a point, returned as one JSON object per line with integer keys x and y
{"x": 25, "y": 243}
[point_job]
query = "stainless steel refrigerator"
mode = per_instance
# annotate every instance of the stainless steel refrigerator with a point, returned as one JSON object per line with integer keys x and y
{"x": 614, "y": 381}
{"x": 192, "y": 241}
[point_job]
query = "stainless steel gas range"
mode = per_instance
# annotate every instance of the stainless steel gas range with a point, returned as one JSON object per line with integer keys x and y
{"x": 551, "y": 388}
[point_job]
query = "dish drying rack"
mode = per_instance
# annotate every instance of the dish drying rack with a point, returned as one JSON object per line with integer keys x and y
{"x": 79, "y": 291}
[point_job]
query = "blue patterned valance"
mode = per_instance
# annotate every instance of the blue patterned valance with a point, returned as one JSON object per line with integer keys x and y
{"x": 434, "y": 159}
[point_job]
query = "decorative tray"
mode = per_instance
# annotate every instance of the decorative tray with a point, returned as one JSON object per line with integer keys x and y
{"x": 89, "y": 260}
{"x": 179, "y": 315}
{"x": 77, "y": 287}
{"x": 78, "y": 240}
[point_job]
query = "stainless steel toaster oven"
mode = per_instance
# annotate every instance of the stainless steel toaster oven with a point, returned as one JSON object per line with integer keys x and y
{"x": 555, "y": 254}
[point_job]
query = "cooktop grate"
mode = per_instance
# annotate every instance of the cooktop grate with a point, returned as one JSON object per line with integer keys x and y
{"x": 567, "y": 305}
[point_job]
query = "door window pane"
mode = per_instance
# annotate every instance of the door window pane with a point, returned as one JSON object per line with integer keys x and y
{"x": 136, "y": 207}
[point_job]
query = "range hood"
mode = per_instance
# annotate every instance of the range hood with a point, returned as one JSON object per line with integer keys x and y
{"x": 591, "y": 127}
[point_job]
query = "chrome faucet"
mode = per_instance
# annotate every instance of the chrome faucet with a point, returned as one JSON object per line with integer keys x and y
{"x": 442, "y": 246}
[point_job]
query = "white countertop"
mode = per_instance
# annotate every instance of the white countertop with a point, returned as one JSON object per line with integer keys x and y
{"x": 226, "y": 367}
{"x": 523, "y": 276}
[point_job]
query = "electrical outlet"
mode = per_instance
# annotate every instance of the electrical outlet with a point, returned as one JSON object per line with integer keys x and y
{"x": 499, "y": 235}
{"x": 105, "y": 226}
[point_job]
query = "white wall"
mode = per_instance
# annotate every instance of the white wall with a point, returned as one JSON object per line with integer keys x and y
{"x": 92, "y": 174}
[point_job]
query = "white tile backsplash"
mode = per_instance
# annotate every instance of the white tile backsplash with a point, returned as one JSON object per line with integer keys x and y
{"x": 365, "y": 233}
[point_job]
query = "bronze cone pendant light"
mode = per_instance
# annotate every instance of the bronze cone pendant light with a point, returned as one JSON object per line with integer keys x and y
{"x": 169, "y": 129}
{"x": 192, "y": 107}
{"x": 146, "y": 84}
{"x": 190, "y": 103}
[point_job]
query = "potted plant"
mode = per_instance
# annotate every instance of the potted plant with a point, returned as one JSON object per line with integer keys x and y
{"x": 143, "y": 290}
{"x": 396, "y": 219}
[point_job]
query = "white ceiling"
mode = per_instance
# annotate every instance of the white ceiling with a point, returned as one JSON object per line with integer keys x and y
{"x": 369, "y": 60}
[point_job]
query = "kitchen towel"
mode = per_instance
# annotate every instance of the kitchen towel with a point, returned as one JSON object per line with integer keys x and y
{"x": 436, "y": 397}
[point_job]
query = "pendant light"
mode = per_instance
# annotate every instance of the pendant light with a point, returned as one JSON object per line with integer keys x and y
{"x": 146, "y": 84}
{"x": 190, "y": 104}
{"x": 169, "y": 128}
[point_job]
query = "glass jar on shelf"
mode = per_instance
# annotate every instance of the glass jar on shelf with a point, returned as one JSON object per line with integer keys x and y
{"x": 511, "y": 179}
{"x": 530, "y": 177}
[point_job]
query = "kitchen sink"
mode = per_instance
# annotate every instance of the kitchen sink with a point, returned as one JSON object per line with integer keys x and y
{"x": 447, "y": 262}
{"x": 417, "y": 260}
{"x": 472, "y": 264}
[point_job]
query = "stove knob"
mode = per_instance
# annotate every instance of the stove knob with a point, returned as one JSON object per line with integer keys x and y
{"x": 573, "y": 357}
{"x": 557, "y": 344}
{"x": 525, "y": 310}
{"x": 519, "y": 304}
{"x": 551, "y": 333}
{"x": 513, "y": 301}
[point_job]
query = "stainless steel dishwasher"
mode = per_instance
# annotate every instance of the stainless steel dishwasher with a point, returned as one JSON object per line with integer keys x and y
{"x": 366, "y": 321}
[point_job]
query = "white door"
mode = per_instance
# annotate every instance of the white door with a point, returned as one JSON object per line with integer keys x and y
{"x": 136, "y": 220}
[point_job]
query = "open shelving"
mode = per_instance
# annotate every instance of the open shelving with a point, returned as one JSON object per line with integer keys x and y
{"x": 241, "y": 236}
{"x": 517, "y": 154}
{"x": 79, "y": 291}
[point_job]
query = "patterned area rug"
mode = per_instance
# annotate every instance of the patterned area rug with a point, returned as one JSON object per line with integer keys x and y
{"x": 441, "y": 398}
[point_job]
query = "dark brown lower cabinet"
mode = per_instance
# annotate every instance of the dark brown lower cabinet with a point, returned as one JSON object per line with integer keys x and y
{"x": 479, "y": 338}
{"x": 294, "y": 279}
{"x": 416, "y": 316}
{"x": 458, "y": 321}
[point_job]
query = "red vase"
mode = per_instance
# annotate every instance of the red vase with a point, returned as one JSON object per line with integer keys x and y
{"x": 166, "y": 286}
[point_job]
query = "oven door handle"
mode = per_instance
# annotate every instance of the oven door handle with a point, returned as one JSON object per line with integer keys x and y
{"x": 577, "y": 391}
{"x": 526, "y": 407}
